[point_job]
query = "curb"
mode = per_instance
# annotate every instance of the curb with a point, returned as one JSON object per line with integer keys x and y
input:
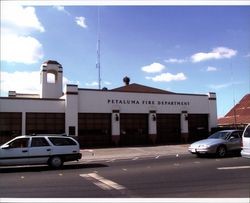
{"x": 132, "y": 152}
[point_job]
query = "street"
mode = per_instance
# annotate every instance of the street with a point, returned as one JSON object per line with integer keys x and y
{"x": 172, "y": 176}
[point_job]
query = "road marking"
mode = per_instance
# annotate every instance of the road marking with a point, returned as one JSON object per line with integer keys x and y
{"x": 135, "y": 158}
{"x": 233, "y": 167}
{"x": 102, "y": 182}
{"x": 111, "y": 160}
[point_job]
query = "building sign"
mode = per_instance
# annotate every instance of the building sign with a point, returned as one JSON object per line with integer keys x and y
{"x": 148, "y": 102}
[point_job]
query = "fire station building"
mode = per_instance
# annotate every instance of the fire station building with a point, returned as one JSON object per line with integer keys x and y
{"x": 133, "y": 114}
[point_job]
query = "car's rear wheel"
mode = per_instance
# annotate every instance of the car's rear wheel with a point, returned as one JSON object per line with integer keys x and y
{"x": 55, "y": 162}
{"x": 221, "y": 151}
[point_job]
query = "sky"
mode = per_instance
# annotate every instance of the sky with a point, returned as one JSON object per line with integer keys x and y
{"x": 183, "y": 49}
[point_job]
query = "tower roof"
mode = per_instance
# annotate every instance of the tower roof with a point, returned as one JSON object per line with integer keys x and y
{"x": 52, "y": 62}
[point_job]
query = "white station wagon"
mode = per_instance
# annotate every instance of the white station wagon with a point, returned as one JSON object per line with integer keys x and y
{"x": 245, "y": 152}
{"x": 53, "y": 150}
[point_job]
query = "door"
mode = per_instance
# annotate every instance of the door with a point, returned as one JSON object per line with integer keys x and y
{"x": 15, "y": 152}
{"x": 168, "y": 129}
{"x": 134, "y": 129}
{"x": 246, "y": 140}
{"x": 234, "y": 141}
{"x": 39, "y": 151}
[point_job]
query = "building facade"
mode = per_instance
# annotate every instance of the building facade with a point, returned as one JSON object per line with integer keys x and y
{"x": 129, "y": 115}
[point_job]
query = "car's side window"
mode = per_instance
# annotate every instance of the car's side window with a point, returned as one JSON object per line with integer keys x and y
{"x": 39, "y": 142}
{"x": 247, "y": 132}
{"x": 235, "y": 135}
{"x": 20, "y": 143}
{"x": 61, "y": 141}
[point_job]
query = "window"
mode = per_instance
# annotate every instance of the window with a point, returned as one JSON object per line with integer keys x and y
{"x": 58, "y": 141}
{"x": 39, "y": 142}
{"x": 235, "y": 135}
{"x": 20, "y": 143}
{"x": 247, "y": 132}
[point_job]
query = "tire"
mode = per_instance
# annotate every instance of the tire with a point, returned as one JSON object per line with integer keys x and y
{"x": 55, "y": 162}
{"x": 221, "y": 151}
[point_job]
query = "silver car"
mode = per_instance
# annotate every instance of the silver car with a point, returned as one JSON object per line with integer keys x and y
{"x": 219, "y": 143}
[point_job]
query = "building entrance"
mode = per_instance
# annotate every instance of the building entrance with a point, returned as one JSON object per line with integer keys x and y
{"x": 168, "y": 129}
{"x": 94, "y": 129}
{"x": 134, "y": 129}
{"x": 197, "y": 127}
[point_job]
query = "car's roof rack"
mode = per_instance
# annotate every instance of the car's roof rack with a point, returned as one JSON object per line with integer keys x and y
{"x": 35, "y": 134}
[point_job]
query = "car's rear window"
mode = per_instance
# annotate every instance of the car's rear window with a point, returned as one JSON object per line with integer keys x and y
{"x": 58, "y": 141}
{"x": 247, "y": 132}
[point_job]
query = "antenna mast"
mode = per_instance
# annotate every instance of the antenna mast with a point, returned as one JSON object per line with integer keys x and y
{"x": 98, "y": 64}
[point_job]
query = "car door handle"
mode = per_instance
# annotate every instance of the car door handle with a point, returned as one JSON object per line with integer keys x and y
{"x": 48, "y": 150}
{"x": 24, "y": 151}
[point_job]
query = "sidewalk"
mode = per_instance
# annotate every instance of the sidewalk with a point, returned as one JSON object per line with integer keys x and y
{"x": 132, "y": 152}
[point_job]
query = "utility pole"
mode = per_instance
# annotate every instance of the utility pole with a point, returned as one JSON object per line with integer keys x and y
{"x": 98, "y": 64}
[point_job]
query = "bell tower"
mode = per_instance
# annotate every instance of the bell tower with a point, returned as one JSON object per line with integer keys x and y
{"x": 51, "y": 80}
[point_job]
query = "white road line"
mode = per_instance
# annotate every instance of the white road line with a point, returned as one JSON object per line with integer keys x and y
{"x": 102, "y": 182}
{"x": 233, "y": 167}
{"x": 111, "y": 160}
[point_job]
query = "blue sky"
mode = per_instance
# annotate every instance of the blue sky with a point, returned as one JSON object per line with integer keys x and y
{"x": 183, "y": 49}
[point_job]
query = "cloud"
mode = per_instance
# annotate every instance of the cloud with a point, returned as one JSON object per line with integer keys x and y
{"x": 95, "y": 84}
{"x": 216, "y": 53}
{"x": 153, "y": 68}
{"x": 92, "y": 84}
{"x": 174, "y": 60}
{"x": 220, "y": 86}
{"x": 20, "y": 49}
{"x": 24, "y": 82}
{"x": 247, "y": 55}
{"x": 81, "y": 21}
{"x": 168, "y": 77}
{"x": 17, "y": 44}
{"x": 20, "y": 18}
{"x": 61, "y": 9}
{"x": 211, "y": 69}
{"x": 225, "y": 85}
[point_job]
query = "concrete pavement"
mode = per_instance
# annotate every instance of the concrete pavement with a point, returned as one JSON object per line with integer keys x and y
{"x": 132, "y": 152}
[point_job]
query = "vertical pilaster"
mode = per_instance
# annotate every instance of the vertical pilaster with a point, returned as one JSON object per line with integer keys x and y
{"x": 184, "y": 126}
{"x": 115, "y": 127}
{"x": 213, "y": 121}
{"x": 23, "y": 123}
{"x": 71, "y": 110}
{"x": 152, "y": 126}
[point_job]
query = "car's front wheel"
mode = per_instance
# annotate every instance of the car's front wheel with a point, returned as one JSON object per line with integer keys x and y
{"x": 55, "y": 162}
{"x": 221, "y": 151}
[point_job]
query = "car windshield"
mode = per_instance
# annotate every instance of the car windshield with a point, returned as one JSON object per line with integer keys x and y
{"x": 219, "y": 135}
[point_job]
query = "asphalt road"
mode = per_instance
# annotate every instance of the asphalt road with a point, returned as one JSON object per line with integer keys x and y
{"x": 183, "y": 176}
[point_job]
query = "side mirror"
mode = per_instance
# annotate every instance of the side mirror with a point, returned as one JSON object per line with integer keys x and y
{"x": 231, "y": 138}
{"x": 5, "y": 146}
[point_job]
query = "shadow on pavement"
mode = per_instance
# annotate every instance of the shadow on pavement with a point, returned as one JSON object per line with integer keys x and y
{"x": 16, "y": 169}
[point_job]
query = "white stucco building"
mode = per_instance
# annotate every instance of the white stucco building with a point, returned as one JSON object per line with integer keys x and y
{"x": 128, "y": 115}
